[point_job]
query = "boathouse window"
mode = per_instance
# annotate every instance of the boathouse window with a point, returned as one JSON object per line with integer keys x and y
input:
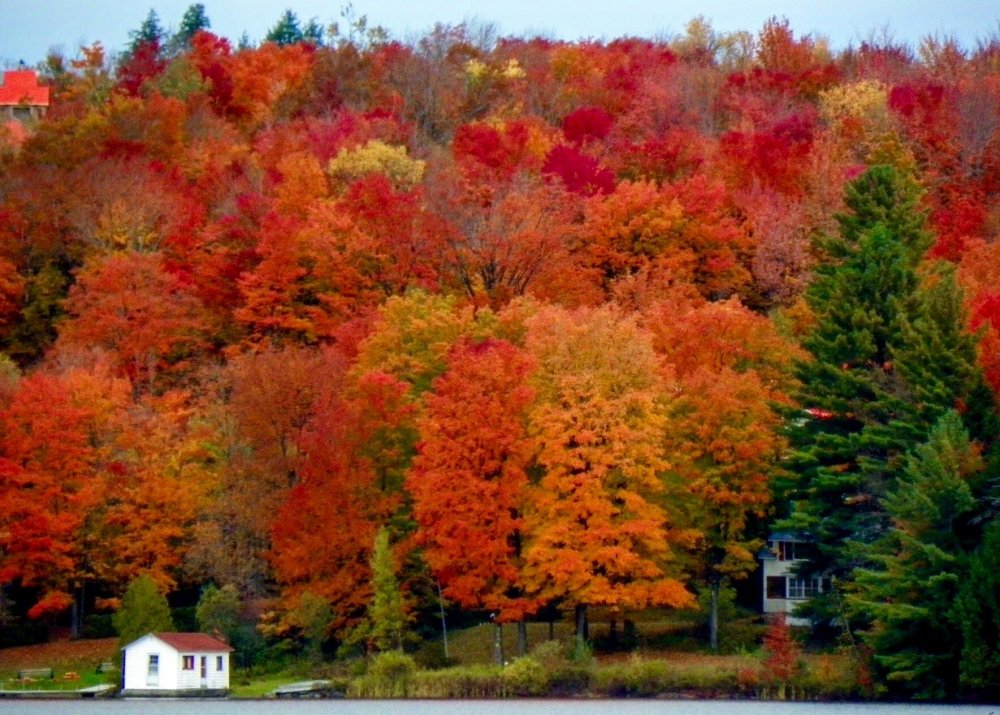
{"x": 803, "y": 587}
{"x": 776, "y": 587}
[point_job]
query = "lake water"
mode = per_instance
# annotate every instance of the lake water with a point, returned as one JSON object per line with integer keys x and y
{"x": 474, "y": 707}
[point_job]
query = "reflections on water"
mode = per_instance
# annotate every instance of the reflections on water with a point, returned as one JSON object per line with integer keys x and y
{"x": 475, "y": 707}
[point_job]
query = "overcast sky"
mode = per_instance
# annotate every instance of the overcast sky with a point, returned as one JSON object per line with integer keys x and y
{"x": 29, "y": 28}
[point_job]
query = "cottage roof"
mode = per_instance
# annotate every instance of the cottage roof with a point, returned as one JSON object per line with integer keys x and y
{"x": 789, "y": 536}
{"x": 21, "y": 87}
{"x": 193, "y": 642}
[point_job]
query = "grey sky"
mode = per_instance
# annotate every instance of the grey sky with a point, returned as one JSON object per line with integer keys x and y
{"x": 29, "y": 28}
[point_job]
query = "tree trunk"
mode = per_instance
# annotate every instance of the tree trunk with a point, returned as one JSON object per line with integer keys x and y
{"x": 522, "y": 638}
{"x": 444, "y": 623}
{"x": 76, "y": 612}
{"x": 497, "y": 644}
{"x": 581, "y": 626}
{"x": 713, "y": 616}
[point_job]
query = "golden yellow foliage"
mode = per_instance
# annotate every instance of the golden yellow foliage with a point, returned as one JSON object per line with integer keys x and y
{"x": 377, "y": 157}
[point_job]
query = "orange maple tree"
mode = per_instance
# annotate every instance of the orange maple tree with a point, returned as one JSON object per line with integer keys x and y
{"x": 48, "y": 485}
{"x": 468, "y": 480}
{"x": 598, "y": 535}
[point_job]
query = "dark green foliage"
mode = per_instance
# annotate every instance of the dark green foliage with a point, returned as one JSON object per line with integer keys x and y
{"x": 312, "y": 616}
{"x": 889, "y": 358}
{"x": 98, "y": 625}
{"x": 219, "y": 614}
{"x": 859, "y": 423}
{"x": 937, "y": 359}
{"x": 193, "y": 21}
{"x": 35, "y": 330}
{"x": 882, "y": 195}
{"x": 286, "y": 31}
{"x": 313, "y": 33}
{"x": 977, "y": 610}
{"x": 218, "y": 611}
{"x": 918, "y": 565}
{"x": 149, "y": 30}
{"x": 149, "y": 33}
{"x": 144, "y": 610}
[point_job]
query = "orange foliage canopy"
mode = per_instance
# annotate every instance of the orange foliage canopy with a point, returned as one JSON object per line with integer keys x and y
{"x": 598, "y": 535}
{"x": 323, "y": 534}
{"x": 469, "y": 482}
{"x": 48, "y": 485}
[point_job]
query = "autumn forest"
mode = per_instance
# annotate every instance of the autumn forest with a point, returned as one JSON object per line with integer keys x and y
{"x": 564, "y": 326}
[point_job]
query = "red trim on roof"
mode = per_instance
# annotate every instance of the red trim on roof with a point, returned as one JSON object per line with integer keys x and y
{"x": 194, "y": 642}
{"x": 21, "y": 87}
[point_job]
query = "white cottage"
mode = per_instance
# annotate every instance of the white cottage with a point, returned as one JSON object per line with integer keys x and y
{"x": 784, "y": 588}
{"x": 176, "y": 664}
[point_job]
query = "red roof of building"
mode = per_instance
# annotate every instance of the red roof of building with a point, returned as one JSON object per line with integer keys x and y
{"x": 21, "y": 87}
{"x": 193, "y": 642}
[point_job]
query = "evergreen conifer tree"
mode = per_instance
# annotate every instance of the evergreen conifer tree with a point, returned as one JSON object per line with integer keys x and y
{"x": 907, "y": 594}
{"x": 889, "y": 357}
{"x": 144, "y": 610}
{"x": 977, "y": 610}
{"x": 149, "y": 33}
{"x": 286, "y": 31}
{"x": 194, "y": 20}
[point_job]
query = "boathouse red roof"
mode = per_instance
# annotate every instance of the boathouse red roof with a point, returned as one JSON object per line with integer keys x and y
{"x": 21, "y": 87}
{"x": 193, "y": 642}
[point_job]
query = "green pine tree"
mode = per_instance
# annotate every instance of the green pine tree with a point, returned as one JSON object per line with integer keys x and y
{"x": 977, "y": 610}
{"x": 194, "y": 20}
{"x": 847, "y": 444}
{"x": 938, "y": 360}
{"x": 313, "y": 33}
{"x": 889, "y": 357}
{"x": 35, "y": 330}
{"x": 286, "y": 31}
{"x": 907, "y": 595}
{"x": 144, "y": 610}
{"x": 149, "y": 31}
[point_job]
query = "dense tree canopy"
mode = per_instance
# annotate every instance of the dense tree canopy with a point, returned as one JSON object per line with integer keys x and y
{"x": 564, "y": 324}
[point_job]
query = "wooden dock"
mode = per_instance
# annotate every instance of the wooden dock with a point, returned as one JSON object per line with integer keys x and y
{"x": 94, "y": 691}
{"x": 307, "y": 689}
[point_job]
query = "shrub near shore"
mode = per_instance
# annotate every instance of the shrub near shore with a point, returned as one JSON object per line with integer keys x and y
{"x": 817, "y": 677}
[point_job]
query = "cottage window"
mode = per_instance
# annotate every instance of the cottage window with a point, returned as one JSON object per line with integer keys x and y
{"x": 154, "y": 665}
{"x": 789, "y": 550}
{"x": 218, "y": 662}
{"x": 776, "y": 587}
{"x": 188, "y": 662}
{"x": 800, "y": 588}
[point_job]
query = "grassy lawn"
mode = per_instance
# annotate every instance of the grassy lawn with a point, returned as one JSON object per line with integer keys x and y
{"x": 654, "y": 637}
{"x": 74, "y": 664}
{"x": 263, "y": 685}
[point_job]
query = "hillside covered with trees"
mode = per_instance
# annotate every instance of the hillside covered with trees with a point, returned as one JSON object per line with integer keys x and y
{"x": 526, "y": 325}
